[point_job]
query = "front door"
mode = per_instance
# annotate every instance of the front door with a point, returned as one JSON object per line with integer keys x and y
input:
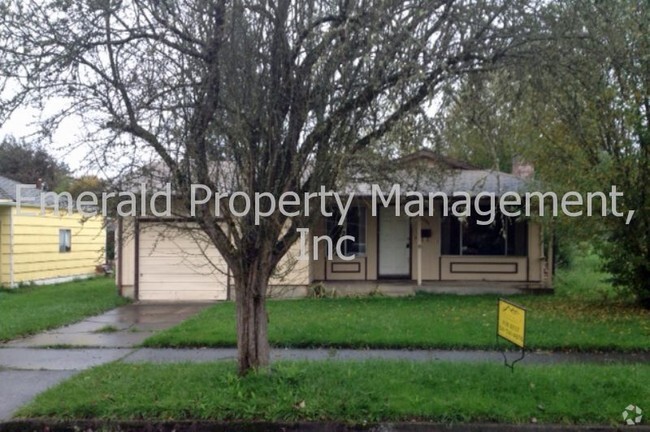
{"x": 394, "y": 243}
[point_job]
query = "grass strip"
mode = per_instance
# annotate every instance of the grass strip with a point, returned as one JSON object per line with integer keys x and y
{"x": 29, "y": 310}
{"x": 357, "y": 392}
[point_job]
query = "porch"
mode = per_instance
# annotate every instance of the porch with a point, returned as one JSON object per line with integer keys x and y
{"x": 401, "y": 288}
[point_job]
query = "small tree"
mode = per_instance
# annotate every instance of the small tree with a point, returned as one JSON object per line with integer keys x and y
{"x": 247, "y": 95}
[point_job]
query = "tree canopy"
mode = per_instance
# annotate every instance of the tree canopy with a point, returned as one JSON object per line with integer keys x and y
{"x": 248, "y": 96}
{"x": 581, "y": 111}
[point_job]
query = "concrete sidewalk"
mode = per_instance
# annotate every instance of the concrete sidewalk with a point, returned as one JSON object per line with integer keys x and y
{"x": 27, "y": 369}
{"x": 170, "y": 355}
{"x": 26, "y": 372}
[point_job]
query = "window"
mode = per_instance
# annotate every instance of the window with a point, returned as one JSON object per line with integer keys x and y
{"x": 65, "y": 240}
{"x": 505, "y": 236}
{"x": 354, "y": 225}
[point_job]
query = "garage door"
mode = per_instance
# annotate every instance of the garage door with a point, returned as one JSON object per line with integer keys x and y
{"x": 178, "y": 263}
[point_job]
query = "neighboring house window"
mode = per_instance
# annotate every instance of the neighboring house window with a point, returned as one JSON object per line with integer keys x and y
{"x": 504, "y": 237}
{"x": 354, "y": 225}
{"x": 65, "y": 240}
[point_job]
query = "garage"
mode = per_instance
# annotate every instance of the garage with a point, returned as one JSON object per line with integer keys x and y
{"x": 176, "y": 262}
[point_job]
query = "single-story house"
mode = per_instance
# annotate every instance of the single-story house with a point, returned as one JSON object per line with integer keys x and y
{"x": 173, "y": 260}
{"x": 44, "y": 247}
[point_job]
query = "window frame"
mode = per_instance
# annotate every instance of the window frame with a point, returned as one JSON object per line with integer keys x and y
{"x": 455, "y": 231}
{"x": 336, "y": 231}
{"x": 65, "y": 240}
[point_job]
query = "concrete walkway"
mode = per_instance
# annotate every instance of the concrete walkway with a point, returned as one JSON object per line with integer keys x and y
{"x": 125, "y": 326}
{"x": 27, "y": 367}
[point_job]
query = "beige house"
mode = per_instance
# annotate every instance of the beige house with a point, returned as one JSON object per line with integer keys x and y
{"x": 393, "y": 251}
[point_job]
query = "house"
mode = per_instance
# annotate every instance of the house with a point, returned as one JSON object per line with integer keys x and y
{"x": 44, "y": 246}
{"x": 173, "y": 260}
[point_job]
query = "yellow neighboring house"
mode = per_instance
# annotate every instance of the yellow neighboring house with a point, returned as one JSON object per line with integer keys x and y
{"x": 45, "y": 247}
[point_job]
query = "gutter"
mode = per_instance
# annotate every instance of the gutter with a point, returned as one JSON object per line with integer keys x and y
{"x": 118, "y": 243}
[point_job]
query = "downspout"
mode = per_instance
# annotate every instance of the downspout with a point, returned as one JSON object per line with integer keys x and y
{"x": 228, "y": 274}
{"x": 118, "y": 243}
{"x": 419, "y": 251}
{"x": 136, "y": 264}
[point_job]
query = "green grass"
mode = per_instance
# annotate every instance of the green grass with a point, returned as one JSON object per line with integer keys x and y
{"x": 350, "y": 391}
{"x": 29, "y": 310}
{"x": 580, "y": 316}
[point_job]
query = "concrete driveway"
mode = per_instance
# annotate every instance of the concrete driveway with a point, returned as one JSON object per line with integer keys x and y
{"x": 26, "y": 370}
{"x": 123, "y": 327}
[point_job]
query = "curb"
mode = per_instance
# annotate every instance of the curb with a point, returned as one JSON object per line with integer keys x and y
{"x": 205, "y": 426}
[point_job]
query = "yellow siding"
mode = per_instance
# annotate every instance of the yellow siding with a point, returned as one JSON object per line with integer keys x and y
{"x": 5, "y": 228}
{"x": 36, "y": 253}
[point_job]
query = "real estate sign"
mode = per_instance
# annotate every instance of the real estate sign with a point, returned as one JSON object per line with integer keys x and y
{"x": 511, "y": 322}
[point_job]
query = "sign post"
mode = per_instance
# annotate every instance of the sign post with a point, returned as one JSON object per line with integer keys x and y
{"x": 511, "y": 326}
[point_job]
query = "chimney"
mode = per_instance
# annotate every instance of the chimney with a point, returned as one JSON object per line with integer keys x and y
{"x": 40, "y": 184}
{"x": 521, "y": 168}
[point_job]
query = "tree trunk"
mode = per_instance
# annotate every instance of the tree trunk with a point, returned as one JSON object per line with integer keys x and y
{"x": 252, "y": 320}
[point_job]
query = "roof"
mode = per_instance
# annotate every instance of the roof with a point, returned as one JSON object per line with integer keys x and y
{"x": 426, "y": 171}
{"x": 29, "y": 196}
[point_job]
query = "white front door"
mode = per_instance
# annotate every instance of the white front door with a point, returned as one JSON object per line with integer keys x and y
{"x": 394, "y": 242}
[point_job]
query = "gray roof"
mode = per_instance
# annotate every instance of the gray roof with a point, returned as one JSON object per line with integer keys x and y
{"x": 428, "y": 172}
{"x": 424, "y": 171}
{"x": 29, "y": 196}
{"x": 476, "y": 181}
{"x": 459, "y": 180}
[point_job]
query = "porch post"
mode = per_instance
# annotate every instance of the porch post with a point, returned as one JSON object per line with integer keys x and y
{"x": 418, "y": 234}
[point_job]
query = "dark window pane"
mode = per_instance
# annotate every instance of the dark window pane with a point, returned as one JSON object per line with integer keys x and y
{"x": 518, "y": 238}
{"x": 490, "y": 240}
{"x": 354, "y": 225}
{"x": 483, "y": 239}
{"x": 450, "y": 236}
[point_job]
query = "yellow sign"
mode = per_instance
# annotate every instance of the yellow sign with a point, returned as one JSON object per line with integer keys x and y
{"x": 511, "y": 322}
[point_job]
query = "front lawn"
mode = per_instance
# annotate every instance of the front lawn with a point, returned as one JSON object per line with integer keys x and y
{"x": 577, "y": 317}
{"x": 24, "y": 311}
{"x": 377, "y": 390}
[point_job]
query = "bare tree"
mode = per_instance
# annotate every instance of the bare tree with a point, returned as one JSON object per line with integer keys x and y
{"x": 269, "y": 96}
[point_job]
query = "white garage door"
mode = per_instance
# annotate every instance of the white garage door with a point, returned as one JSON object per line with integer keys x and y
{"x": 177, "y": 262}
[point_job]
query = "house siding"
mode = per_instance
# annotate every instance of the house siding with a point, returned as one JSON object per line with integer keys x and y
{"x": 36, "y": 255}
{"x": 125, "y": 257}
{"x": 435, "y": 266}
{"x": 5, "y": 246}
{"x": 291, "y": 277}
